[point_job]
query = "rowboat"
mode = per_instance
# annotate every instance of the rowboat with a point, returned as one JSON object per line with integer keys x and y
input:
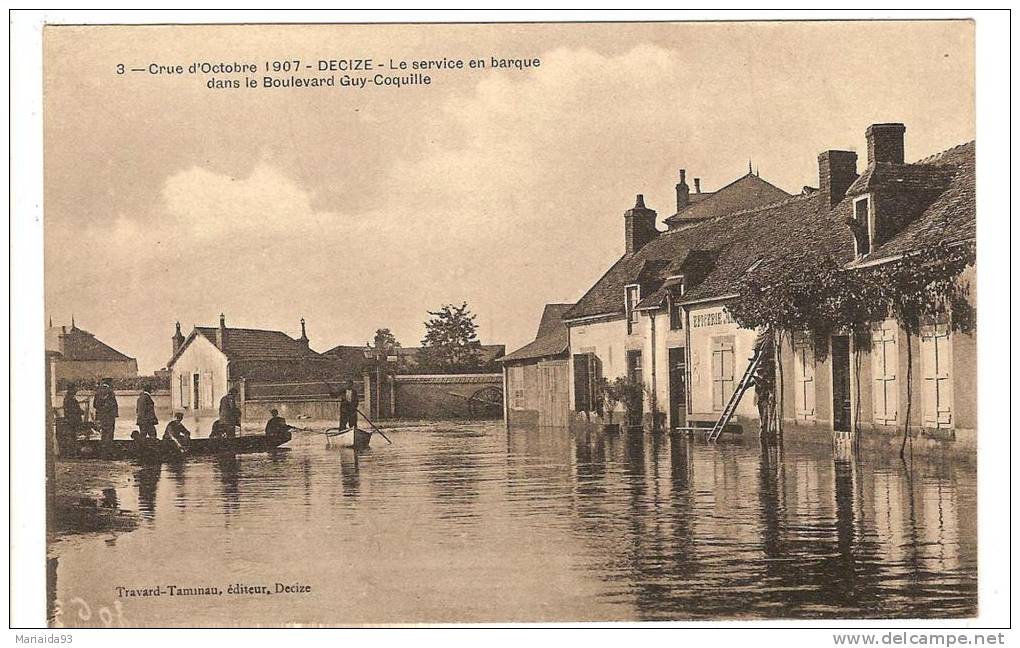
{"x": 148, "y": 450}
{"x": 357, "y": 438}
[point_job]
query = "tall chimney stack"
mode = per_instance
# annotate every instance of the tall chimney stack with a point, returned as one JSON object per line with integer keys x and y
{"x": 683, "y": 192}
{"x": 837, "y": 170}
{"x": 639, "y": 225}
{"x": 697, "y": 185}
{"x": 885, "y": 143}
{"x": 303, "y": 340}
{"x": 221, "y": 333}
{"x": 178, "y": 339}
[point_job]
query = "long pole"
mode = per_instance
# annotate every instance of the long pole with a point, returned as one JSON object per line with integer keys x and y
{"x": 375, "y": 428}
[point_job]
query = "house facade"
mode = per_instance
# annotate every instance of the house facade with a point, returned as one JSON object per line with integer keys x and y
{"x": 269, "y": 369}
{"x": 536, "y": 377}
{"x": 660, "y": 313}
{"x": 77, "y": 355}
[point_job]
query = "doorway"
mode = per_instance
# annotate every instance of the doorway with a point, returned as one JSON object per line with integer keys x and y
{"x": 677, "y": 387}
{"x": 841, "y": 405}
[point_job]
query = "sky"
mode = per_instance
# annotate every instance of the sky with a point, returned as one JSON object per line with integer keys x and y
{"x": 361, "y": 209}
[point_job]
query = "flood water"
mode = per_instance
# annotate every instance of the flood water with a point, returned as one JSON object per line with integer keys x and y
{"x": 471, "y": 523}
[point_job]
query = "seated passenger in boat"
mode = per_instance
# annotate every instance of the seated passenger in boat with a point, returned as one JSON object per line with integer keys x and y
{"x": 277, "y": 424}
{"x": 175, "y": 430}
{"x": 220, "y": 431}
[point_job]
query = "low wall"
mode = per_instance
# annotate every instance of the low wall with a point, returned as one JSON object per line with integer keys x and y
{"x": 441, "y": 397}
{"x": 257, "y": 411}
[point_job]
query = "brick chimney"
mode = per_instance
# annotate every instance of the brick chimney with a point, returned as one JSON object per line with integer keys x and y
{"x": 178, "y": 339}
{"x": 683, "y": 192}
{"x": 303, "y": 340}
{"x": 885, "y": 143}
{"x": 639, "y": 223}
{"x": 837, "y": 170}
{"x": 697, "y": 185}
{"x": 221, "y": 333}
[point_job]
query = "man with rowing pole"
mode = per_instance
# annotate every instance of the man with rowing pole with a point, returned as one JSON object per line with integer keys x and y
{"x": 349, "y": 400}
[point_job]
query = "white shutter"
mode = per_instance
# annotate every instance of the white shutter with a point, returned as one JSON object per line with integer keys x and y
{"x": 936, "y": 363}
{"x": 884, "y": 361}
{"x": 207, "y": 389}
{"x": 804, "y": 351}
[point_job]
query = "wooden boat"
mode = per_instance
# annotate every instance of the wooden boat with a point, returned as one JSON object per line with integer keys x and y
{"x": 160, "y": 451}
{"x": 358, "y": 439}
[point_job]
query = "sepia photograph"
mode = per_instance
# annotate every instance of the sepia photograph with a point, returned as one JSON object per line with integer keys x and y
{"x": 375, "y": 324}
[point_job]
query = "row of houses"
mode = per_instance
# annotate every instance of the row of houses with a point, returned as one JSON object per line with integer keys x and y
{"x": 272, "y": 369}
{"x": 659, "y": 314}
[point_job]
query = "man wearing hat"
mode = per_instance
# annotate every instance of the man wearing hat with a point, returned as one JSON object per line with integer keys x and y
{"x": 349, "y": 406}
{"x": 277, "y": 425}
{"x": 145, "y": 413}
{"x": 105, "y": 403}
{"x": 230, "y": 413}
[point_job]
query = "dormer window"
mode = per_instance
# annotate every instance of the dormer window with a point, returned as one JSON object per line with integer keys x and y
{"x": 862, "y": 225}
{"x": 675, "y": 291}
{"x": 633, "y": 296}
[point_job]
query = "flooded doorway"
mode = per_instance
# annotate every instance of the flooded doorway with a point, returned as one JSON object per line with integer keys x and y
{"x": 677, "y": 387}
{"x": 841, "y": 406}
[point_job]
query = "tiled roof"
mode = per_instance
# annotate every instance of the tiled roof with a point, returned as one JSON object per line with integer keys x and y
{"x": 244, "y": 343}
{"x": 743, "y": 193}
{"x": 944, "y": 185}
{"x": 790, "y": 231}
{"x": 308, "y": 368}
{"x": 79, "y": 344}
{"x": 551, "y": 338}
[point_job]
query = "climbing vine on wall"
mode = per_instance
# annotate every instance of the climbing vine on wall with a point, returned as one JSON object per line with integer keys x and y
{"x": 817, "y": 293}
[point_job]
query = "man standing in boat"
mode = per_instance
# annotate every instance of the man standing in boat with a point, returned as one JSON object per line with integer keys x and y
{"x": 74, "y": 417}
{"x": 349, "y": 400}
{"x": 145, "y": 413}
{"x": 105, "y": 404}
{"x": 230, "y": 413}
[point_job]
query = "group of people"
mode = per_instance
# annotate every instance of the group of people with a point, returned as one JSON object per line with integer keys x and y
{"x": 104, "y": 403}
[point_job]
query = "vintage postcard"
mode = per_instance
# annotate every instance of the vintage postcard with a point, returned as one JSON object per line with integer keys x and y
{"x": 490, "y": 323}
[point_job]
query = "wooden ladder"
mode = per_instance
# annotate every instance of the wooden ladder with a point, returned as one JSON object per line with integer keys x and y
{"x": 738, "y": 393}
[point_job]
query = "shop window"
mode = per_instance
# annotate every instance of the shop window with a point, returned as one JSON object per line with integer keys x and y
{"x": 884, "y": 364}
{"x": 722, "y": 372}
{"x": 936, "y": 368}
{"x": 804, "y": 363}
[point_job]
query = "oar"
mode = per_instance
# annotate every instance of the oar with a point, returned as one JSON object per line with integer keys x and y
{"x": 338, "y": 432}
{"x": 375, "y": 428}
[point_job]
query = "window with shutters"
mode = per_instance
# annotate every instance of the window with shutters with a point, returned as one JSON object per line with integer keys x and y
{"x": 632, "y": 297}
{"x": 587, "y": 373}
{"x": 936, "y": 368}
{"x": 722, "y": 372}
{"x": 864, "y": 228}
{"x": 804, "y": 375}
{"x": 184, "y": 391}
{"x": 884, "y": 366}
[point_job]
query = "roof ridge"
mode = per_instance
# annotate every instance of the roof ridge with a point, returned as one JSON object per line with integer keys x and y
{"x": 937, "y": 156}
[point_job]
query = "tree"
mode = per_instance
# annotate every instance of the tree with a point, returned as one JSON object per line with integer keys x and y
{"x": 451, "y": 341}
{"x": 385, "y": 341}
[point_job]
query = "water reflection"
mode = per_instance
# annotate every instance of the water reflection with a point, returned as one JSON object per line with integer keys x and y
{"x": 591, "y": 526}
